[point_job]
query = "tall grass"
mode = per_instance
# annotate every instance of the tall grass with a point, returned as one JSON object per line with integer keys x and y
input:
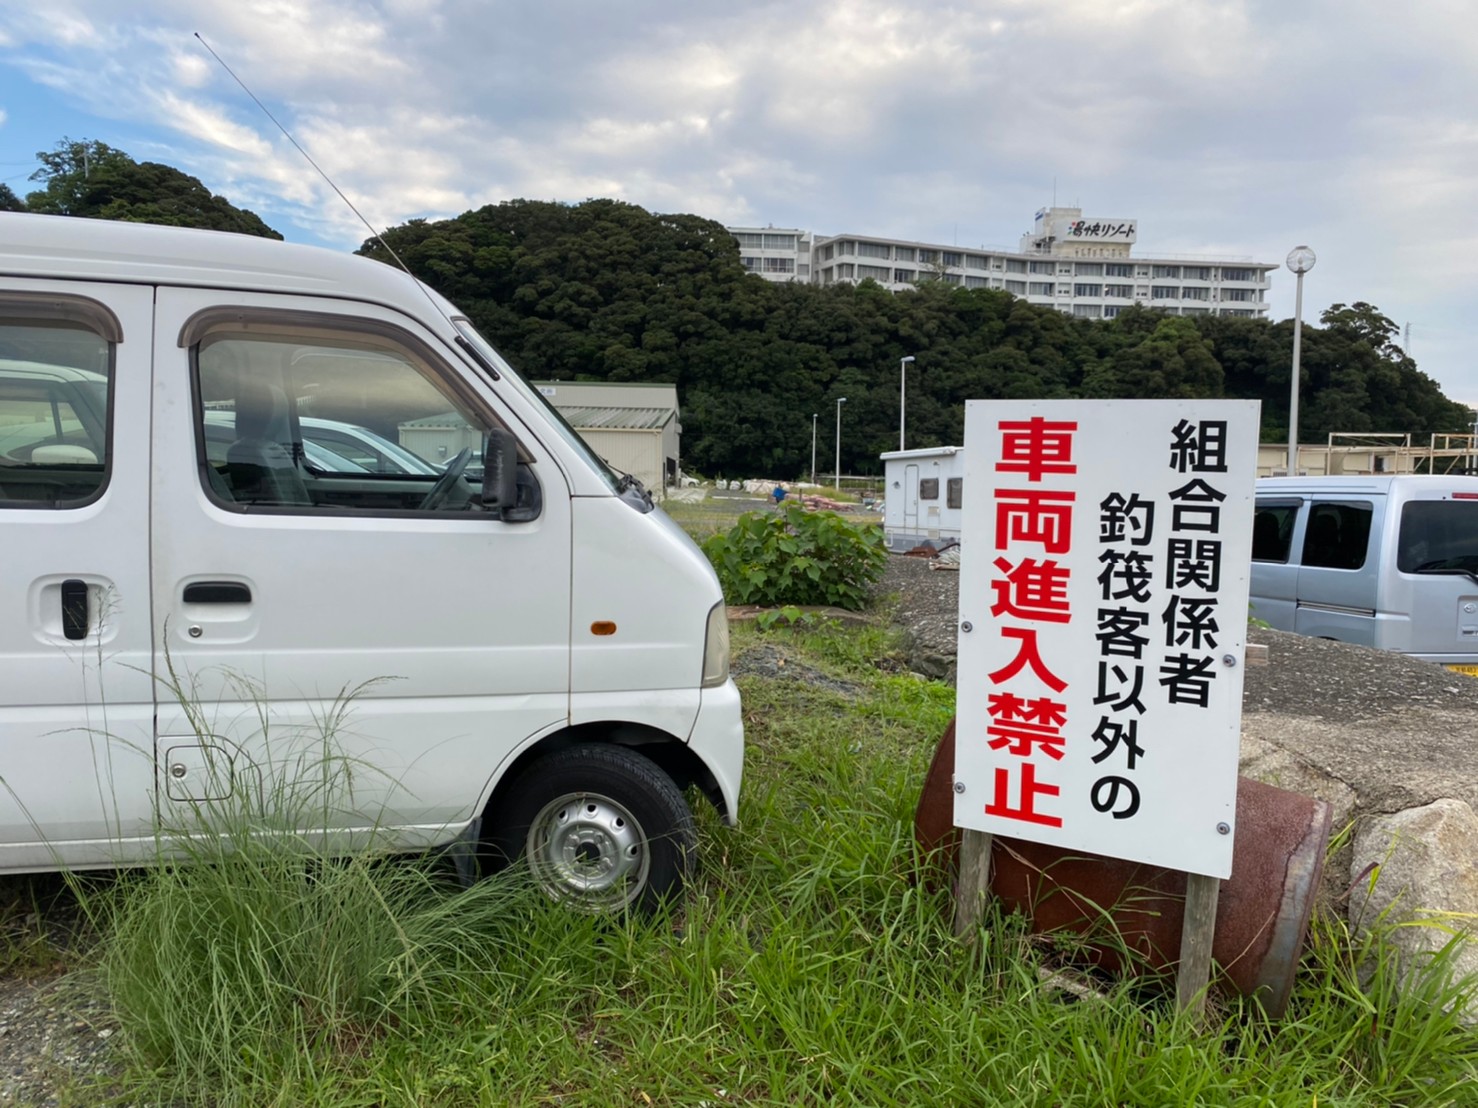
{"x": 807, "y": 966}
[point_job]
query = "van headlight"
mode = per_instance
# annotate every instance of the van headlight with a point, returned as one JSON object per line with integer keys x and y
{"x": 716, "y": 647}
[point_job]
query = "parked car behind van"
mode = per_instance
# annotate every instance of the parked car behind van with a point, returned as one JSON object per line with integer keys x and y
{"x": 1384, "y": 561}
{"x": 210, "y": 537}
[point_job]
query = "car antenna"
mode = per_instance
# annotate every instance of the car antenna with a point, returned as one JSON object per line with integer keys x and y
{"x": 462, "y": 342}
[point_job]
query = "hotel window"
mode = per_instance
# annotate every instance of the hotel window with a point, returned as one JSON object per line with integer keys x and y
{"x": 1040, "y": 288}
{"x": 1088, "y": 311}
{"x": 1123, "y": 292}
{"x": 874, "y": 250}
{"x": 975, "y": 282}
{"x": 1087, "y": 290}
{"x": 1164, "y": 292}
{"x": 1041, "y": 267}
{"x": 1090, "y": 269}
{"x": 779, "y": 265}
{"x": 951, "y": 258}
{"x": 779, "y": 242}
{"x": 1237, "y": 294}
{"x": 1016, "y": 265}
{"x": 1172, "y": 271}
{"x": 751, "y": 264}
{"x": 976, "y": 261}
{"x": 1237, "y": 274}
{"x": 846, "y": 246}
{"x": 876, "y": 272}
{"x": 1018, "y": 287}
{"x": 1196, "y": 273}
{"x": 929, "y": 257}
{"x": 1114, "y": 270}
{"x": 753, "y": 242}
{"x": 1195, "y": 294}
{"x": 802, "y": 269}
{"x": 903, "y": 254}
{"x": 1110, "y": 311}
{"x": 904, "y": 276}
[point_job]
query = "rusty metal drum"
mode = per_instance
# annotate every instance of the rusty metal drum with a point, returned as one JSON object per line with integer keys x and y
{"x": 1129, "y": 915}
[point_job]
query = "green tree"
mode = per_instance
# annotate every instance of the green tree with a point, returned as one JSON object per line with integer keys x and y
{"x": 9, "y": 201}
{"x": 95, "y": 181}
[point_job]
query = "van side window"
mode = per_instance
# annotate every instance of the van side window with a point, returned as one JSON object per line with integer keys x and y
{"x": 954, "y": 492}
{"x": 1337, "y": 535}
{"x": 929, "y": 488}
{"x": 1272, "y": 530}
{"x": 316, "y": 420}
{"x": 55, "y": 378}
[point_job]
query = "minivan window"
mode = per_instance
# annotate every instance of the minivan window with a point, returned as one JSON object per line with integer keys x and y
{"x": 1338, "y": 535}
{"x": 276, "y": 410}
{"x": 1272, "y": 530}
{"x": 55, "y": 378}
{"x": 1438, "y": 536}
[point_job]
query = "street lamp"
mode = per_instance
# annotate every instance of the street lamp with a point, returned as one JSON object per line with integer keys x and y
{"x": 902, "y": 383}
{"x": 1300, "y": 259}
{"x": 840, "y": 401}
{"x": 813, "y": 447}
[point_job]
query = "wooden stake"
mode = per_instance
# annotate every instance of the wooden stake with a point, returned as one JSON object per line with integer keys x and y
{"x": 1196, "y": 934}
{"x": 973, "y": 884}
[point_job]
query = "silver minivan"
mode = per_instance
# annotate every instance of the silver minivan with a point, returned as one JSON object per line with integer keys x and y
{"x": 1384, "y": 561}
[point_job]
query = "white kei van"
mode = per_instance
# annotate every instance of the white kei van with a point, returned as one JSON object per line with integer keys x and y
{"x": 1385, "y": 561}
{"x": 541, "y": 659}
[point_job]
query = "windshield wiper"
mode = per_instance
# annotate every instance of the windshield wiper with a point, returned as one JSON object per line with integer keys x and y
{"x": 1439, "y": 568}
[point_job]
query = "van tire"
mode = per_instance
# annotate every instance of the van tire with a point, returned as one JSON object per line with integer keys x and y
{"x": 601, "y": 828}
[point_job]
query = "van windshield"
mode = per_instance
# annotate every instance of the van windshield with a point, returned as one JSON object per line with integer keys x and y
{"x": 1438, "y": 536}
{"x": 557, "y": 421}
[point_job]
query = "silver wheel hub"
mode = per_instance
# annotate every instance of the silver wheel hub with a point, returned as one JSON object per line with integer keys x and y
{"x": 588, "y": 850}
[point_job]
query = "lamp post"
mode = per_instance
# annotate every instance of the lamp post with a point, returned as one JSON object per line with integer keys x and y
{"x": 1300, "y": 259}
{"x": 813, "y": 447}
{"x": 902, "y": 389}
{"x": 840, "y": 401}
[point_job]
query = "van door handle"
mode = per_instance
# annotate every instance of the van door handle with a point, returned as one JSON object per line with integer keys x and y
{"x": 217, "y": 592}
{"x": 74, "y": 608}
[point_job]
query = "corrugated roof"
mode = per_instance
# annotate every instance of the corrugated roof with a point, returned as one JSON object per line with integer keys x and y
{"x": 620, "y": 419}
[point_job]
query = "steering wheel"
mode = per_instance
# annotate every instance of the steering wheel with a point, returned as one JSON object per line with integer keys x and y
{"x": 447, "y": 481}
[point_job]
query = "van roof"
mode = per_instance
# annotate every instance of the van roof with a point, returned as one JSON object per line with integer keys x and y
{"x": 66, "y": 247}
{"x": 1374, "y": 483}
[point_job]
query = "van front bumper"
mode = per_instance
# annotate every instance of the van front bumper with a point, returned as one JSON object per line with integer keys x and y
{"x": 718, "y": 738}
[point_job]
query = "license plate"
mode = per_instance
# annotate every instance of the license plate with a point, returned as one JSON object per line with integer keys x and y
{"x": 1471, "y": 671}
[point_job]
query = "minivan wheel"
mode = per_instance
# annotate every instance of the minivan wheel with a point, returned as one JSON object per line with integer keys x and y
{"x": 602, "y": 829}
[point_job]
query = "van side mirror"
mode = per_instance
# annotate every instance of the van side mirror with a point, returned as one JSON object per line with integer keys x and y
{"x": 500, "y": 471}
{"x": 514, "y": 496}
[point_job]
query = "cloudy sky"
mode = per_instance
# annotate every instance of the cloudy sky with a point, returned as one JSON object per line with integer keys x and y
{"x": 1236, "y": 128}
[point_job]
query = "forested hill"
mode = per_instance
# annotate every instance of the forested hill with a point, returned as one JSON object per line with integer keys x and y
{"x": 607, "y": 291}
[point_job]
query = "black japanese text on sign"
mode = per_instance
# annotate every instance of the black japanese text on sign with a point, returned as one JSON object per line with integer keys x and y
{"x": 1104, "y": 577}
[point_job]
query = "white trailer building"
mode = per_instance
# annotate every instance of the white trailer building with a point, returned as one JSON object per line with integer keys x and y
{"x": 923, "y": 494}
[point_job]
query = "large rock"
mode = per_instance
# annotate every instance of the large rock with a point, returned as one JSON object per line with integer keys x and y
{"x": 1423, "y": 863}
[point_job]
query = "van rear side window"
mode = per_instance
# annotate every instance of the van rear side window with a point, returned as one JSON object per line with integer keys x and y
{"x": 1272, "y": 530}
{"x": 1438, "y": 536}
{"x": 54, "y": 386}
{"x": 1338, "y": 535}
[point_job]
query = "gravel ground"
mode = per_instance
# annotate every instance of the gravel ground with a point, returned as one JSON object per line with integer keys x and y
{"x": 1306, "y": 677}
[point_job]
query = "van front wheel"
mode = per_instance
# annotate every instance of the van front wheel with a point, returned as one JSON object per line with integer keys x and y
{"x": 602, "y": 829}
